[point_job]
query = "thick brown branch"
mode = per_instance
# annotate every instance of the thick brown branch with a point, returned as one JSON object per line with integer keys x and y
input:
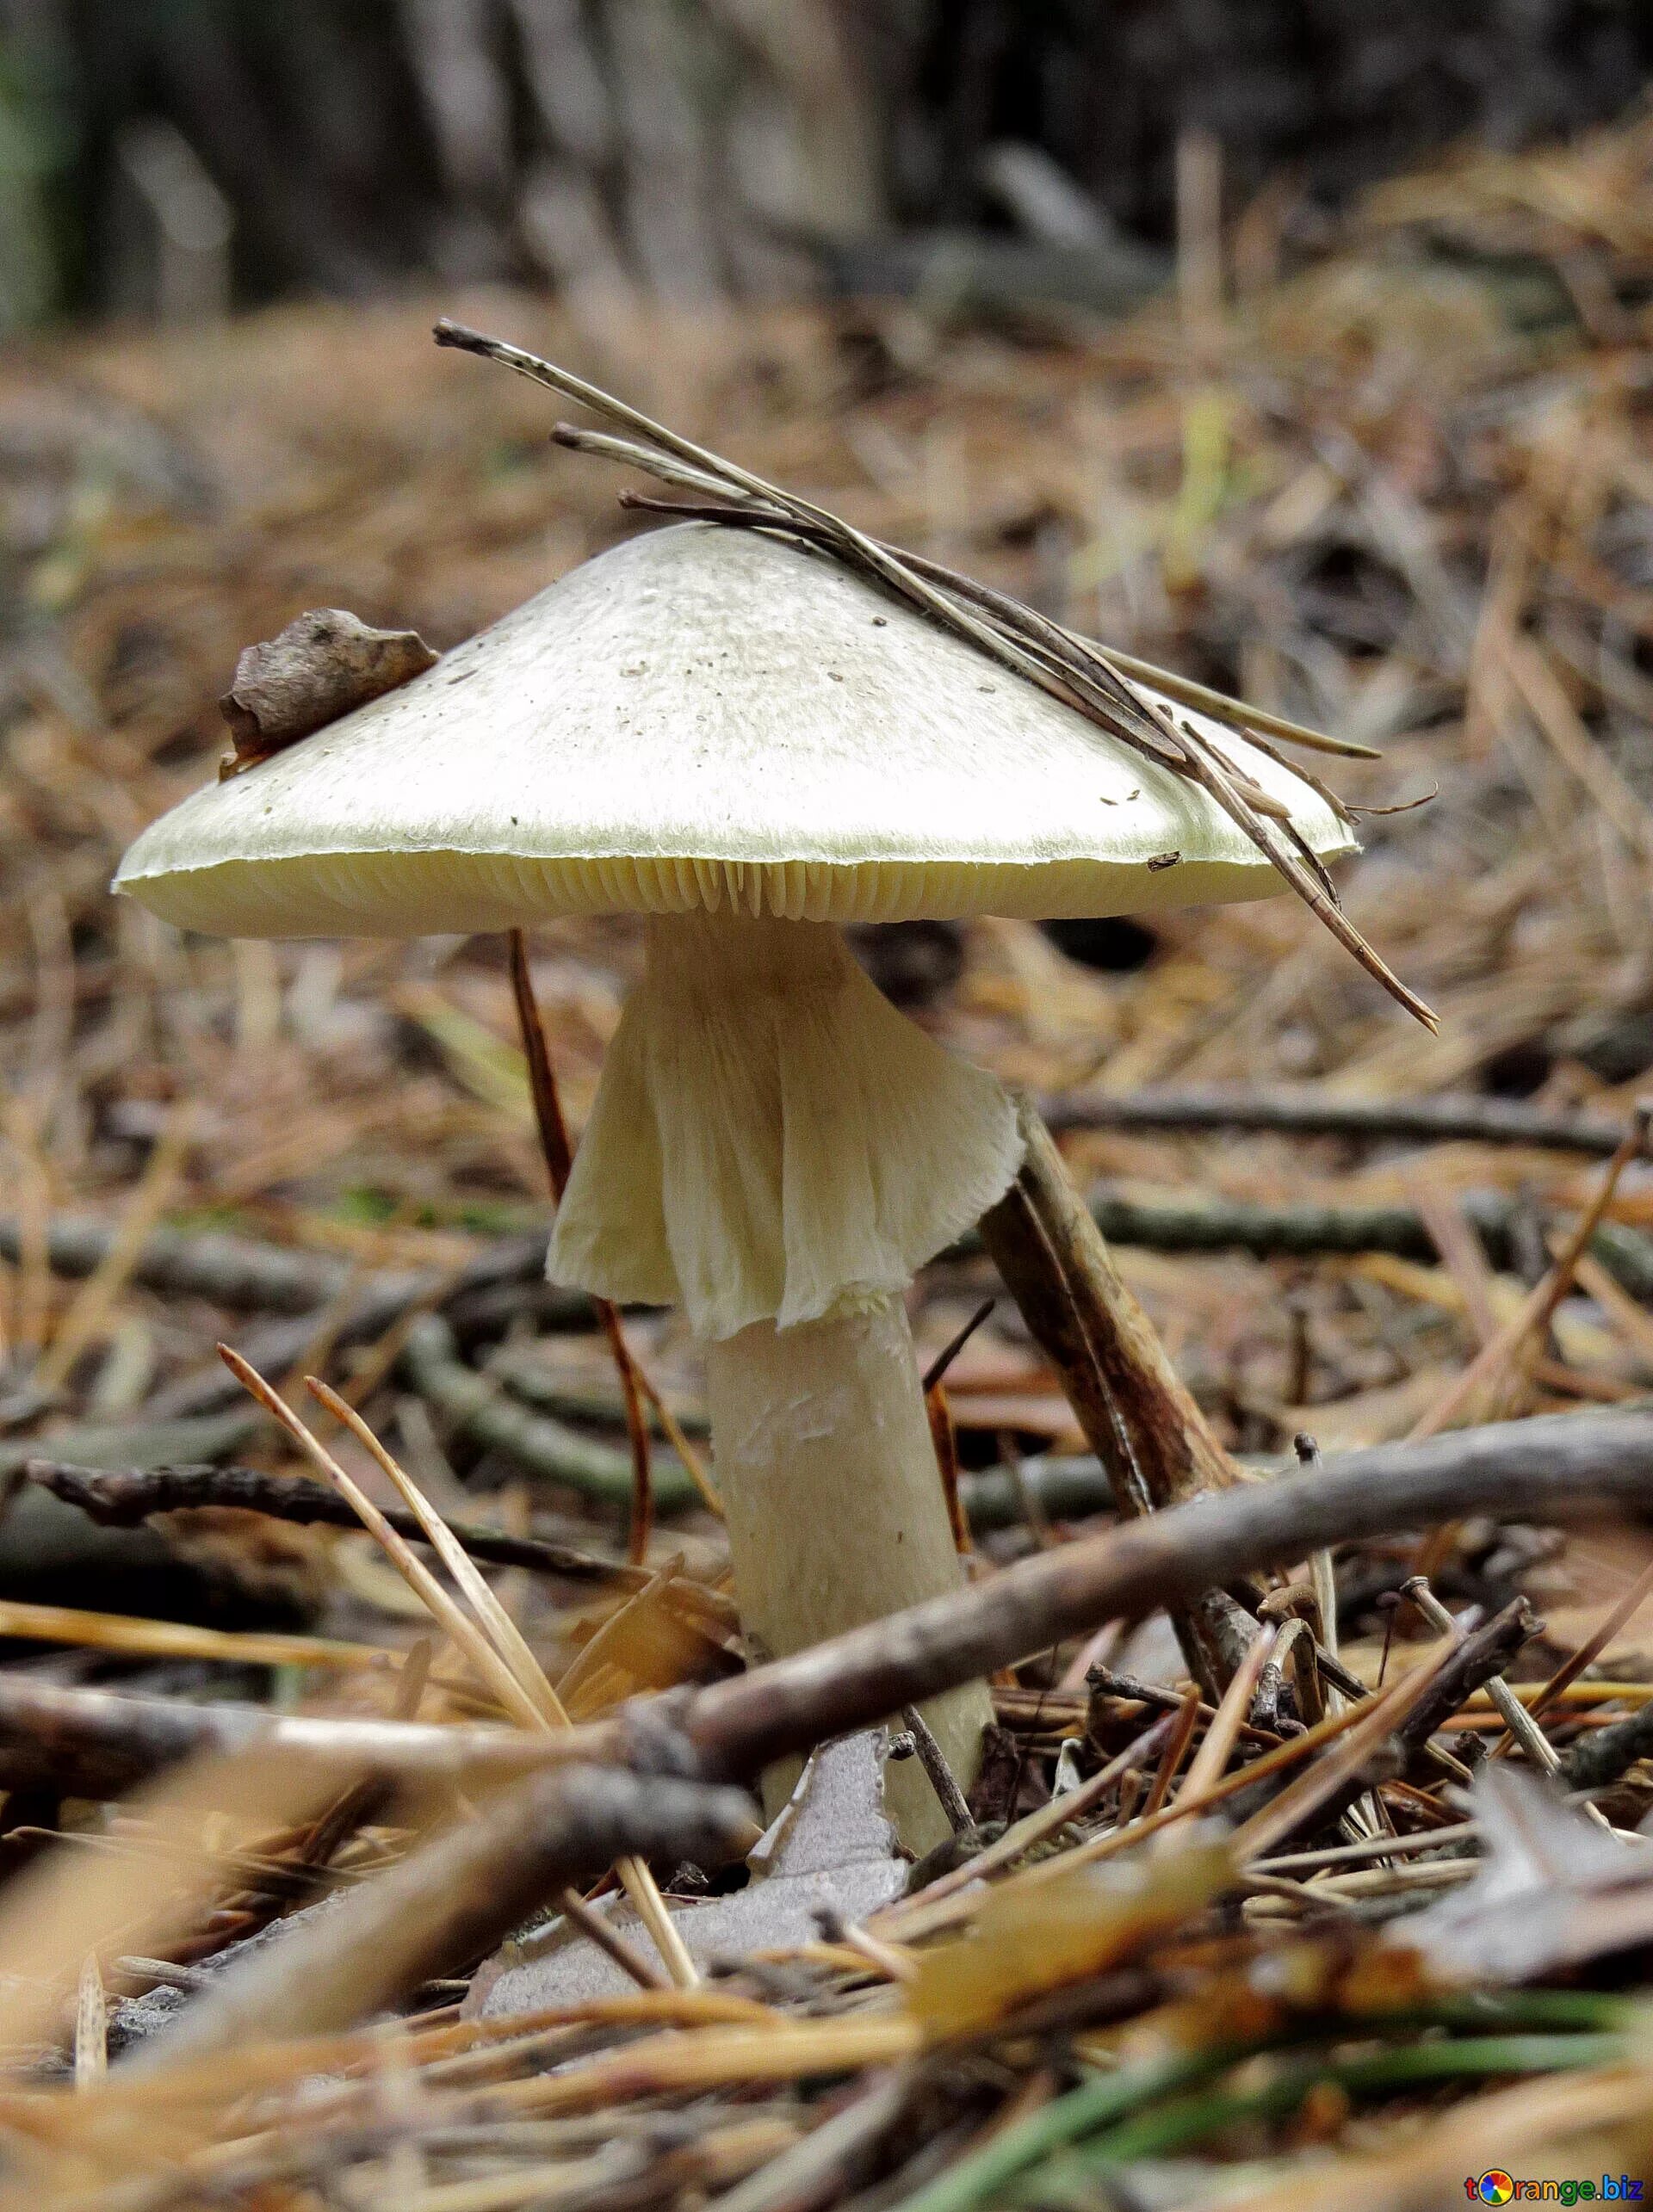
{"x": 1515, "y": 1470}
{"x": 98, "y": 1744}
{"x": 1510, "y": 1470}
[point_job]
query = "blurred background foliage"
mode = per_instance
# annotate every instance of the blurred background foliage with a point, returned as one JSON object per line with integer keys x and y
{"x": 174, "y": 155}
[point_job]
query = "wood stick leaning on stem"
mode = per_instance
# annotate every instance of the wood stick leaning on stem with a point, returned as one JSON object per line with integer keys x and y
{"x": 1153, "y": 1442}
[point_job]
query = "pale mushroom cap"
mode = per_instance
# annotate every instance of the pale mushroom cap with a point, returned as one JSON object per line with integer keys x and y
{"x": 705, "y": 718}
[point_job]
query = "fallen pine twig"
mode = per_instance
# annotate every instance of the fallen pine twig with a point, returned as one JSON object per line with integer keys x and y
{"x": 1303, "y": 1112}
{"x": 124, "y": 1498}
{"x": 1136, "y": 1413}
{"x": 1512, "y": 1470}
{"x": 99, "y": 1743}
{"x": 252, "y": 1275}
{"x": 1515, "y": 1716}
{"x": 1578, "y": 1445}
{"x": 1313, "y": 1230}
{"x": 249, "y": 1275}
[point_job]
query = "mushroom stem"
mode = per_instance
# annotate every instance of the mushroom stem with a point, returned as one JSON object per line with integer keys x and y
{"x": 835, "y": 1510}
{"x": 775, "y": 1149}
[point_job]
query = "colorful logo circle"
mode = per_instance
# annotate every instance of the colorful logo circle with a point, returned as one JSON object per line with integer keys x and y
{"x": 1495, "y": 2188}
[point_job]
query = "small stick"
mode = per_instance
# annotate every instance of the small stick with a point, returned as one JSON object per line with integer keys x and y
{"x": 1480, "y": 1659}
{"x": 1588, "y": 1652}
{"x": 125, "y": 1497}
{"x": 1515, "y": 1715}
{"x": 91, "y": 2025}
{"x": 936, "y": 1372}
{"x": 596, "y": 1929}
{"x": 1182, "y": 1734}
{"x": 1033, "y": 1827}
{"x": 943, "y": 1434}
{"x": 1369, "y": 1847}
{"x": 1322, "y": 1574}
{"x": 895, "y": 1965}
{"x": 1224, "y": 1729}
{"x": 1371, "y": 1726}
{"x": 1136, "y": 1414}
{"x": 942, "y": 1780}
{"x": 1306, "y": 1112}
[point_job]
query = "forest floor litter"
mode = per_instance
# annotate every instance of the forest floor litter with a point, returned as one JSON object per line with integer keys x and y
{"x": 1342, "y": 1915}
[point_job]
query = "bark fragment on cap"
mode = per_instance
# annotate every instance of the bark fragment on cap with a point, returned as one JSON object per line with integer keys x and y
{"x": 324, "y": 663}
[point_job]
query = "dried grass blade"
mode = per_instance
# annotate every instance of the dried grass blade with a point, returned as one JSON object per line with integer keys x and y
{"x": 1541, "y": 1302}
{"x": 476, "y": 1647}
{"x": 510, "y": 1660}
{"x": 501, "y": 1632}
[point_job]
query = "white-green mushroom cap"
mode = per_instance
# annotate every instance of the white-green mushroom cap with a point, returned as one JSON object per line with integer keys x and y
{"x": 706, "y": 718}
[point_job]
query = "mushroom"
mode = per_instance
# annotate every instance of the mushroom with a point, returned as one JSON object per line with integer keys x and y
{"x": 735, "y": 738}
